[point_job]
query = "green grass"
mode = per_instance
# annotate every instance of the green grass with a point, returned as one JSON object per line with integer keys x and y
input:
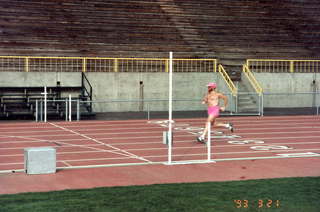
{"x": 293, "y": 194}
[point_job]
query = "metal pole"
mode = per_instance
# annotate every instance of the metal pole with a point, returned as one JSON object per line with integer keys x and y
{"x": 209, "y": 141}
{"x": 41, "y": 110}
{"x": 317, "y": 101}
{"x": 148, "y": 111}
{"x": 233, "y": 108}
{"x": 66, "y": 109}
{"x": 259, "y": 104}
{"x": 70, "y": 107}
{"x": 236, "y": 103}
{"x": 36, "y": 110}
{"x": 262, "y": 104}
{"x": 45, "y": 103}
{"x": 170, "y": 110}
{"x": 78, "y": 110}
{"x": 232, "y": 105}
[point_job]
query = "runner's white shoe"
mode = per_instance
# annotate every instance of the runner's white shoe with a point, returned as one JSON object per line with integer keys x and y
{"x": 230, "y": 127}
{"x": 200, "y": 139}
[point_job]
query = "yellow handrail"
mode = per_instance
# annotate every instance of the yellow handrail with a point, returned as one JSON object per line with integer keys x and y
{"x": 255, "y": 84}
{"x": 283, "y": 65}
{"x": 228, "y": 81}
{"x": 103, "y": 64}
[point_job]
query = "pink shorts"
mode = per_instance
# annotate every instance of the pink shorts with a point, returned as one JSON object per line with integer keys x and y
{"x": 214, "y": 111}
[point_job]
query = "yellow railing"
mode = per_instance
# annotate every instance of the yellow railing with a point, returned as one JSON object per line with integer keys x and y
{"x": 228, "y": 81}
{"x": 95, "y": 64}
{"x": 283, "y": 66}
{"x": 257, "y": 87}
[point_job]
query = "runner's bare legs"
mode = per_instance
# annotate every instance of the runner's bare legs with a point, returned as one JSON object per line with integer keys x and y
{"x": 212, "y": 119}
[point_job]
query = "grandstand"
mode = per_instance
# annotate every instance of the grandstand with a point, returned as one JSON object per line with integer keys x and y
{"x": 230, "y": 31}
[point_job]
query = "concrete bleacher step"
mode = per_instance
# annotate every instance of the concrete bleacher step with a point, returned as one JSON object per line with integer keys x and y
{"x": 152, "y": 28}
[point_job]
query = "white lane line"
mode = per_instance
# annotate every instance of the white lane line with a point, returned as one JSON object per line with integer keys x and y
{"x": 95, "y": 140}
{"x": 160, "y": 162}
{"x": 252, "y": 122}
{"x": 179, "y": 131}
{"x": 68, "y": 145}
{"x": 183, "y": 148}
{"x": 59, "y": 143}
{"x": 64, "y": 162}
{"x": 63, "y": 141}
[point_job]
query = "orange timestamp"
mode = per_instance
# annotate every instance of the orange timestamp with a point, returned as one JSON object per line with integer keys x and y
{"x": 267, "y": 203}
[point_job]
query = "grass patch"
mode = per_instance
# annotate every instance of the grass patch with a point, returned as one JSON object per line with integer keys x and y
{"x": 287, "y": 194}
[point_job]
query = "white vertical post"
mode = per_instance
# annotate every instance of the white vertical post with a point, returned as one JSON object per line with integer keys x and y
{"x": 45, "y": 103}
{"x": 78, "y": 110}
{"x": 148, "y": 111}
{"x": 209, "y": 141}
{"x": 170, "y": 110}
{"x": 70, "y": 107}
{"x": 66, "y": 109}
{"x": 37, "y": 115}
{"x": 41, "y": 110}
{"x": 262, "y": 104}
{"x": 317, "y": 101}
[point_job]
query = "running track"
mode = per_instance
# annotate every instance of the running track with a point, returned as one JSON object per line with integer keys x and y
{"x": 125, "y": 153}
{"x": 123, "y": 143}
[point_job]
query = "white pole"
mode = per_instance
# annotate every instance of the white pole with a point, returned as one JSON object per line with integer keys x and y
{"x": 170, "y": 110}
{"x": 209, "y": 141}
{"x": 37, "y": 110}
{"x": 66, "y": 109}
{"x": 45, "y": 104}
{"x": 262, "y": 105}
{"x": 69, "y": 107}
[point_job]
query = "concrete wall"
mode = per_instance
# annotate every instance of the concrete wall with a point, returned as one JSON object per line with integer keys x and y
{"x": 16, "y": 79}
{"x": 126, "y": 86}
{"x": 279, "y": 89}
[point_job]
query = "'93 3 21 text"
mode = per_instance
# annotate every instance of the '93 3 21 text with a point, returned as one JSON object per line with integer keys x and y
{"x": 261, "y": 203}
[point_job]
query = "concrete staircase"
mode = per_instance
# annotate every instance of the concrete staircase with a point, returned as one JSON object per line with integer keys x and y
{"x": 248, "y": 100}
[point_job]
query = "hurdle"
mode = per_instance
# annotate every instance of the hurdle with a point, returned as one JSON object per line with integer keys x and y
{"x": 41, "y": 107}
{"x": 168, "y": 136}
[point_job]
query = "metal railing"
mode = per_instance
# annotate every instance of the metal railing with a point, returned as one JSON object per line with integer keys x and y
{"x": 283, "y": 66}
{"x": 280, "y": 103}
{"x": 152, "y": 108}
{"x": 227, "y": 80}
{"x": 86, "y": 91}
{"x": 96, "y": 64}
{"x": 286, "y": 103}
{"x": 254, "y": 83}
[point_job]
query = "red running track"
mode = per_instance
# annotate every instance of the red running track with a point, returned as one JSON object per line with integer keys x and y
{"x": 260, "y": 147}
{"x": 114, "y": 143}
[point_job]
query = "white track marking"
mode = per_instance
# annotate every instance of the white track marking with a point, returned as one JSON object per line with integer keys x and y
{"x": 71, "y": 145}
{"x": 157, "y": 142}
{"x": 64, "y": 162}
{"x": 241, "y": 123}
{"x": 161, "y": 162}
{"x": 256, "y": 122}
{"x": 95, "y": 140}
{"x": 180, "y": 148}
{"x": 186, "y": 134}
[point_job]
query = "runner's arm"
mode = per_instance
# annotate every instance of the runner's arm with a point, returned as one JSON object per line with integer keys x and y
{"x": 225, "y": 101}
{"x": 205, "y": 100}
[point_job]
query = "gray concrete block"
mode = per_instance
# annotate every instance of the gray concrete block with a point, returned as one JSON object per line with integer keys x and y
{"x": 40, "y": 160}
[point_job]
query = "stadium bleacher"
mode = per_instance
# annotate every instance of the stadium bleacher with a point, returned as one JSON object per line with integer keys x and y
{"x": 228, "y": 30}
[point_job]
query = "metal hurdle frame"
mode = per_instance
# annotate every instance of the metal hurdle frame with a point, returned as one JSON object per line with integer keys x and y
{"x": 41, "y": 109}
{"x": 170, "y": 122}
